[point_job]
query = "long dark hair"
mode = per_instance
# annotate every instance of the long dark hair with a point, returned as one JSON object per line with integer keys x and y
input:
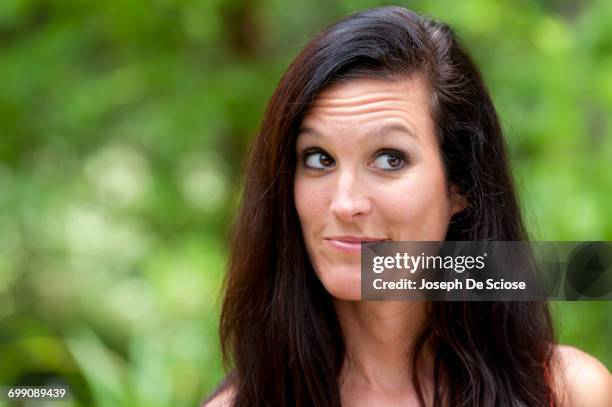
{"x": 280, "y": 335}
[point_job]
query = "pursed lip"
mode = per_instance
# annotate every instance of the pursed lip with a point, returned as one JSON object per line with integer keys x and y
{"x": 351, "y": 244}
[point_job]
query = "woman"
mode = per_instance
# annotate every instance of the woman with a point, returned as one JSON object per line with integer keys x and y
{"x": 381, "y": 129}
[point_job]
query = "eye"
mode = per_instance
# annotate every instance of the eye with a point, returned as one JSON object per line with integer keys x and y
{"x": 318, "y": 160}
{"x": 390, "y": 160}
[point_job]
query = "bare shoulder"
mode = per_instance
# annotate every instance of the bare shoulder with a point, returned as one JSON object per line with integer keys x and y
{"x": 224, "y": 398}
{"x": 581, "y": 380}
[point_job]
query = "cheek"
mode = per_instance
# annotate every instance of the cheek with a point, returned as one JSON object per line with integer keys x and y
{"x": 309, "y": 202}
{"x": 421, "y": 211}
{"x": 341, "y": 278}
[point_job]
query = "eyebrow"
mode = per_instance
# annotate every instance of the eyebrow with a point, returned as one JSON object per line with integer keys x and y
{"x": 381, "y": 131}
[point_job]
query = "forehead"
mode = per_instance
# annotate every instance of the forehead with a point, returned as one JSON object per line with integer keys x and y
{"x": 370, "y": 102}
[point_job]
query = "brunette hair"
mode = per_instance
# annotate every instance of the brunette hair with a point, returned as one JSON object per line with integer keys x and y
{"x": 280, "y": 335}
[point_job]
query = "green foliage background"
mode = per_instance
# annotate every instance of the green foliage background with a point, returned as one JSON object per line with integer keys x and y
{"x": 123, "y": 126}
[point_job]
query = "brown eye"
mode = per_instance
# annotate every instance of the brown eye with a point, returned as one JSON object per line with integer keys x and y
{"x": 394, "y": 161}
{"x": 318, "y": 160}
{"x": 390, "y": 161}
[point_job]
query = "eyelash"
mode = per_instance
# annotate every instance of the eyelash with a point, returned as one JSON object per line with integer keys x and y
{"x": 313, "y": 151}
{"x": 380, "y": 153}
{"x": 394, "y": 153}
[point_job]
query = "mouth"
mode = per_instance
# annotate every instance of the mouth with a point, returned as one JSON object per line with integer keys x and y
{"x": 351, "y": 244}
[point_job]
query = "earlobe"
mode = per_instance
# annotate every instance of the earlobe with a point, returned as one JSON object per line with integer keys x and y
{"x": 458, "y": 201}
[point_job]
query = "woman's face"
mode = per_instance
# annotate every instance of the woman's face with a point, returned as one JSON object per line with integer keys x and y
{"x": 368, "y": 168}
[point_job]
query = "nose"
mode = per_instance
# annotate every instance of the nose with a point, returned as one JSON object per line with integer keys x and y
{"x": 350, "y": 200}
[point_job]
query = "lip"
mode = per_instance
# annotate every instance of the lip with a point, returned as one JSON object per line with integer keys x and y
{"x": 350, "y": 244}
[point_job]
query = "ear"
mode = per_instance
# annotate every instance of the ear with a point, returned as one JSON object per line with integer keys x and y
{"x": 457, "y": 200}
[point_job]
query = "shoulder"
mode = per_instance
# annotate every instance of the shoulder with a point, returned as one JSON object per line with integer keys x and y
{"x": 222, "y": 399}
{"x": 580, "y": 379}
{"x": 223, "y": 395}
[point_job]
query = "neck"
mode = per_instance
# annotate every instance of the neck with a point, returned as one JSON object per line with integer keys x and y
{"x": 380, "y": 337}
